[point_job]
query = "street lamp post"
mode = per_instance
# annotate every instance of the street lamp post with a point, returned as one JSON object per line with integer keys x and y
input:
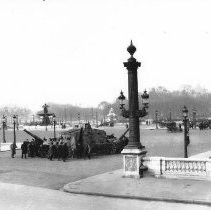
{"x": 186, "y": 132}
{"x": 17, "y": 123}
{"x": 54, "y": 126}
{"x": 134, "y": 151}
{"x": 96, "y": 119}
{"x": 194, "y": 118}
{"x": 156, "y": 118}
{"x": 79, "y": 120}
{"x": 170, "y": 116}
{"x": 14, "y": 123}
{"x": 3, "y": 127}
{"x": 46, "y": 124}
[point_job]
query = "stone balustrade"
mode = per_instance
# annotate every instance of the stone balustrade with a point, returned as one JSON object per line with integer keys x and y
{"x": 179, "y": 167}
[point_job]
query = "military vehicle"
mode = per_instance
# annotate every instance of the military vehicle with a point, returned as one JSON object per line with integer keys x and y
{"x": 204, "y": 124}
{"x": 172, "y": 127}
{"x": 98, "y": 141}
{"x": 80, "y": 139}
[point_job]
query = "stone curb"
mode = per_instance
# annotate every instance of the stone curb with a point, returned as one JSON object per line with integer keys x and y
{"x": 162, "y": 199}
{"x": 198, "y": 202}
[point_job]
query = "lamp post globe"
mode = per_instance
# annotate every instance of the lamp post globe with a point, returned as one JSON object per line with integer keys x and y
{"x": 121, "y": 99}
{"x": 185, "y": 112}
{"x": 145, "y": 99}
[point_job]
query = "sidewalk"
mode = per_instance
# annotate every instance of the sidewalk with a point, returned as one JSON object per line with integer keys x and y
{"x": 112, "y": 184}
{"x": 203, "y": 155}
{"x": 19, "y": 197}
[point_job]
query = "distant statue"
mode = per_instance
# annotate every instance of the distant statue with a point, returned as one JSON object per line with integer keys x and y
{"x": 45, "y": 115}
{"x": 45, "y": 108}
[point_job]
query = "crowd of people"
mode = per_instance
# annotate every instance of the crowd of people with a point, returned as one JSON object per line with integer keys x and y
{"x": 52, "y": 149}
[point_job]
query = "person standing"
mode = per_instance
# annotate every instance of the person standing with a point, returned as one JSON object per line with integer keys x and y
{"x": 65, "y": 152}
{"x": 24, "y": 149}
{"x": 60, "y": 148}
{"x": 56, "y": 149}
{"x": 13, "y": 149}
{"x": 50, "y": 151}
{"x": 30, "y": 149}
{"x": 86, "y": 151}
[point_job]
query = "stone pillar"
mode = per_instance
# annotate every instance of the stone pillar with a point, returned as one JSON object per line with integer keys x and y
{"x": 132, "y": 160}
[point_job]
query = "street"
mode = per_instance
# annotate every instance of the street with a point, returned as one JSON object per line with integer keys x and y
{"x": 41, "y": 172}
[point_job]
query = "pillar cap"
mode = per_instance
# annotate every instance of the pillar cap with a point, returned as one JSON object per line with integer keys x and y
{"x": 131, "y": 49}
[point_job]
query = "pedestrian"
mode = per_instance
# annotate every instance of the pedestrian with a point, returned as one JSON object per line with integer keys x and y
{"x": 33, "y": 148}
{"x": 60, "y": 148}
{"x": 65, "y": 152}
{"x": 73, "y": 146}
{"x": 13, "y": 149}
{"x": 87, "y": 151}
{"x": 56, "y": 149}
{"x": 24, "y": 149}
{"x": 30, "y": 149}
{"x": 50, "y": 151}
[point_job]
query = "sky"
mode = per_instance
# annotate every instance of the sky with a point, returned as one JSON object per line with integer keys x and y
{"x": 72, "y": 51}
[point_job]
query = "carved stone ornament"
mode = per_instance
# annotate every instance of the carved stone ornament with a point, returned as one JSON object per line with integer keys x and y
{"x": 130, "y": 163}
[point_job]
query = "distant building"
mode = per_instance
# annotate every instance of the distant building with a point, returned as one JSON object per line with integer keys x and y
{"x": 111, "y": 117}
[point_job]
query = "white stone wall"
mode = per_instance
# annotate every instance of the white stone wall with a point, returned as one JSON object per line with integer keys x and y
{"x": 199, "y": 169}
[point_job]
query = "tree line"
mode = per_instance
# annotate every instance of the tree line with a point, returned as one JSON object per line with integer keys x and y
{"x": 22, "y": 113}
{"x": 167, "y": 103}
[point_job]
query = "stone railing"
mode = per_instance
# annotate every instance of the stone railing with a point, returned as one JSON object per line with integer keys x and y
{"x": 184, "y": 166}
{"x": 179, "y": 167}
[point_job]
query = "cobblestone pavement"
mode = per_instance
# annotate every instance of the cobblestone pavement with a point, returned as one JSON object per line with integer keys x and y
{"x": 21, "y": 197}
{"x": 41, "y": 172}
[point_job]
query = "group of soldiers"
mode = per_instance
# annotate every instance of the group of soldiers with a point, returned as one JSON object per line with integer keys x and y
{"x": 59, "y": 150}
{"x": 52, "y": 148}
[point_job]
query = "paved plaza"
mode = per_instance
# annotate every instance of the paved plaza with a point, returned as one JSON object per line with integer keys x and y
{"x": 37, "y": 183}
{"x": 113, "y": 184}
{"x": 41, "y": 172}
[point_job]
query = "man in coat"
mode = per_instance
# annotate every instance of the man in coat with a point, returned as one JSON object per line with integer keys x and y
{"x": 65, "y": 152}
{"x": 60, "y": 148}
{"x": 50, "y": 151}
{"x": 13, "y": 149}
{"x": 24, "y": 149}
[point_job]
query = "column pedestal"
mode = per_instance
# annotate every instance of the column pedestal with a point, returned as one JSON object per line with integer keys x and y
{"x": 132, "y": 162}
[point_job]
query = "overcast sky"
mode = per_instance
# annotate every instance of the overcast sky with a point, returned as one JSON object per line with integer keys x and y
{"x": 72, "y": 51}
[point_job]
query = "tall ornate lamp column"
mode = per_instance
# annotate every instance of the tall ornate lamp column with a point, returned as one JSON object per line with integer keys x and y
{"x": 156, "y": 118}
{"x": 186, "y": 131}
{"x": 134, "y": 151}
{"x": 14, "y": 123}
{"x": 54, "y": 126}
{"x": 194, "y": 118}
